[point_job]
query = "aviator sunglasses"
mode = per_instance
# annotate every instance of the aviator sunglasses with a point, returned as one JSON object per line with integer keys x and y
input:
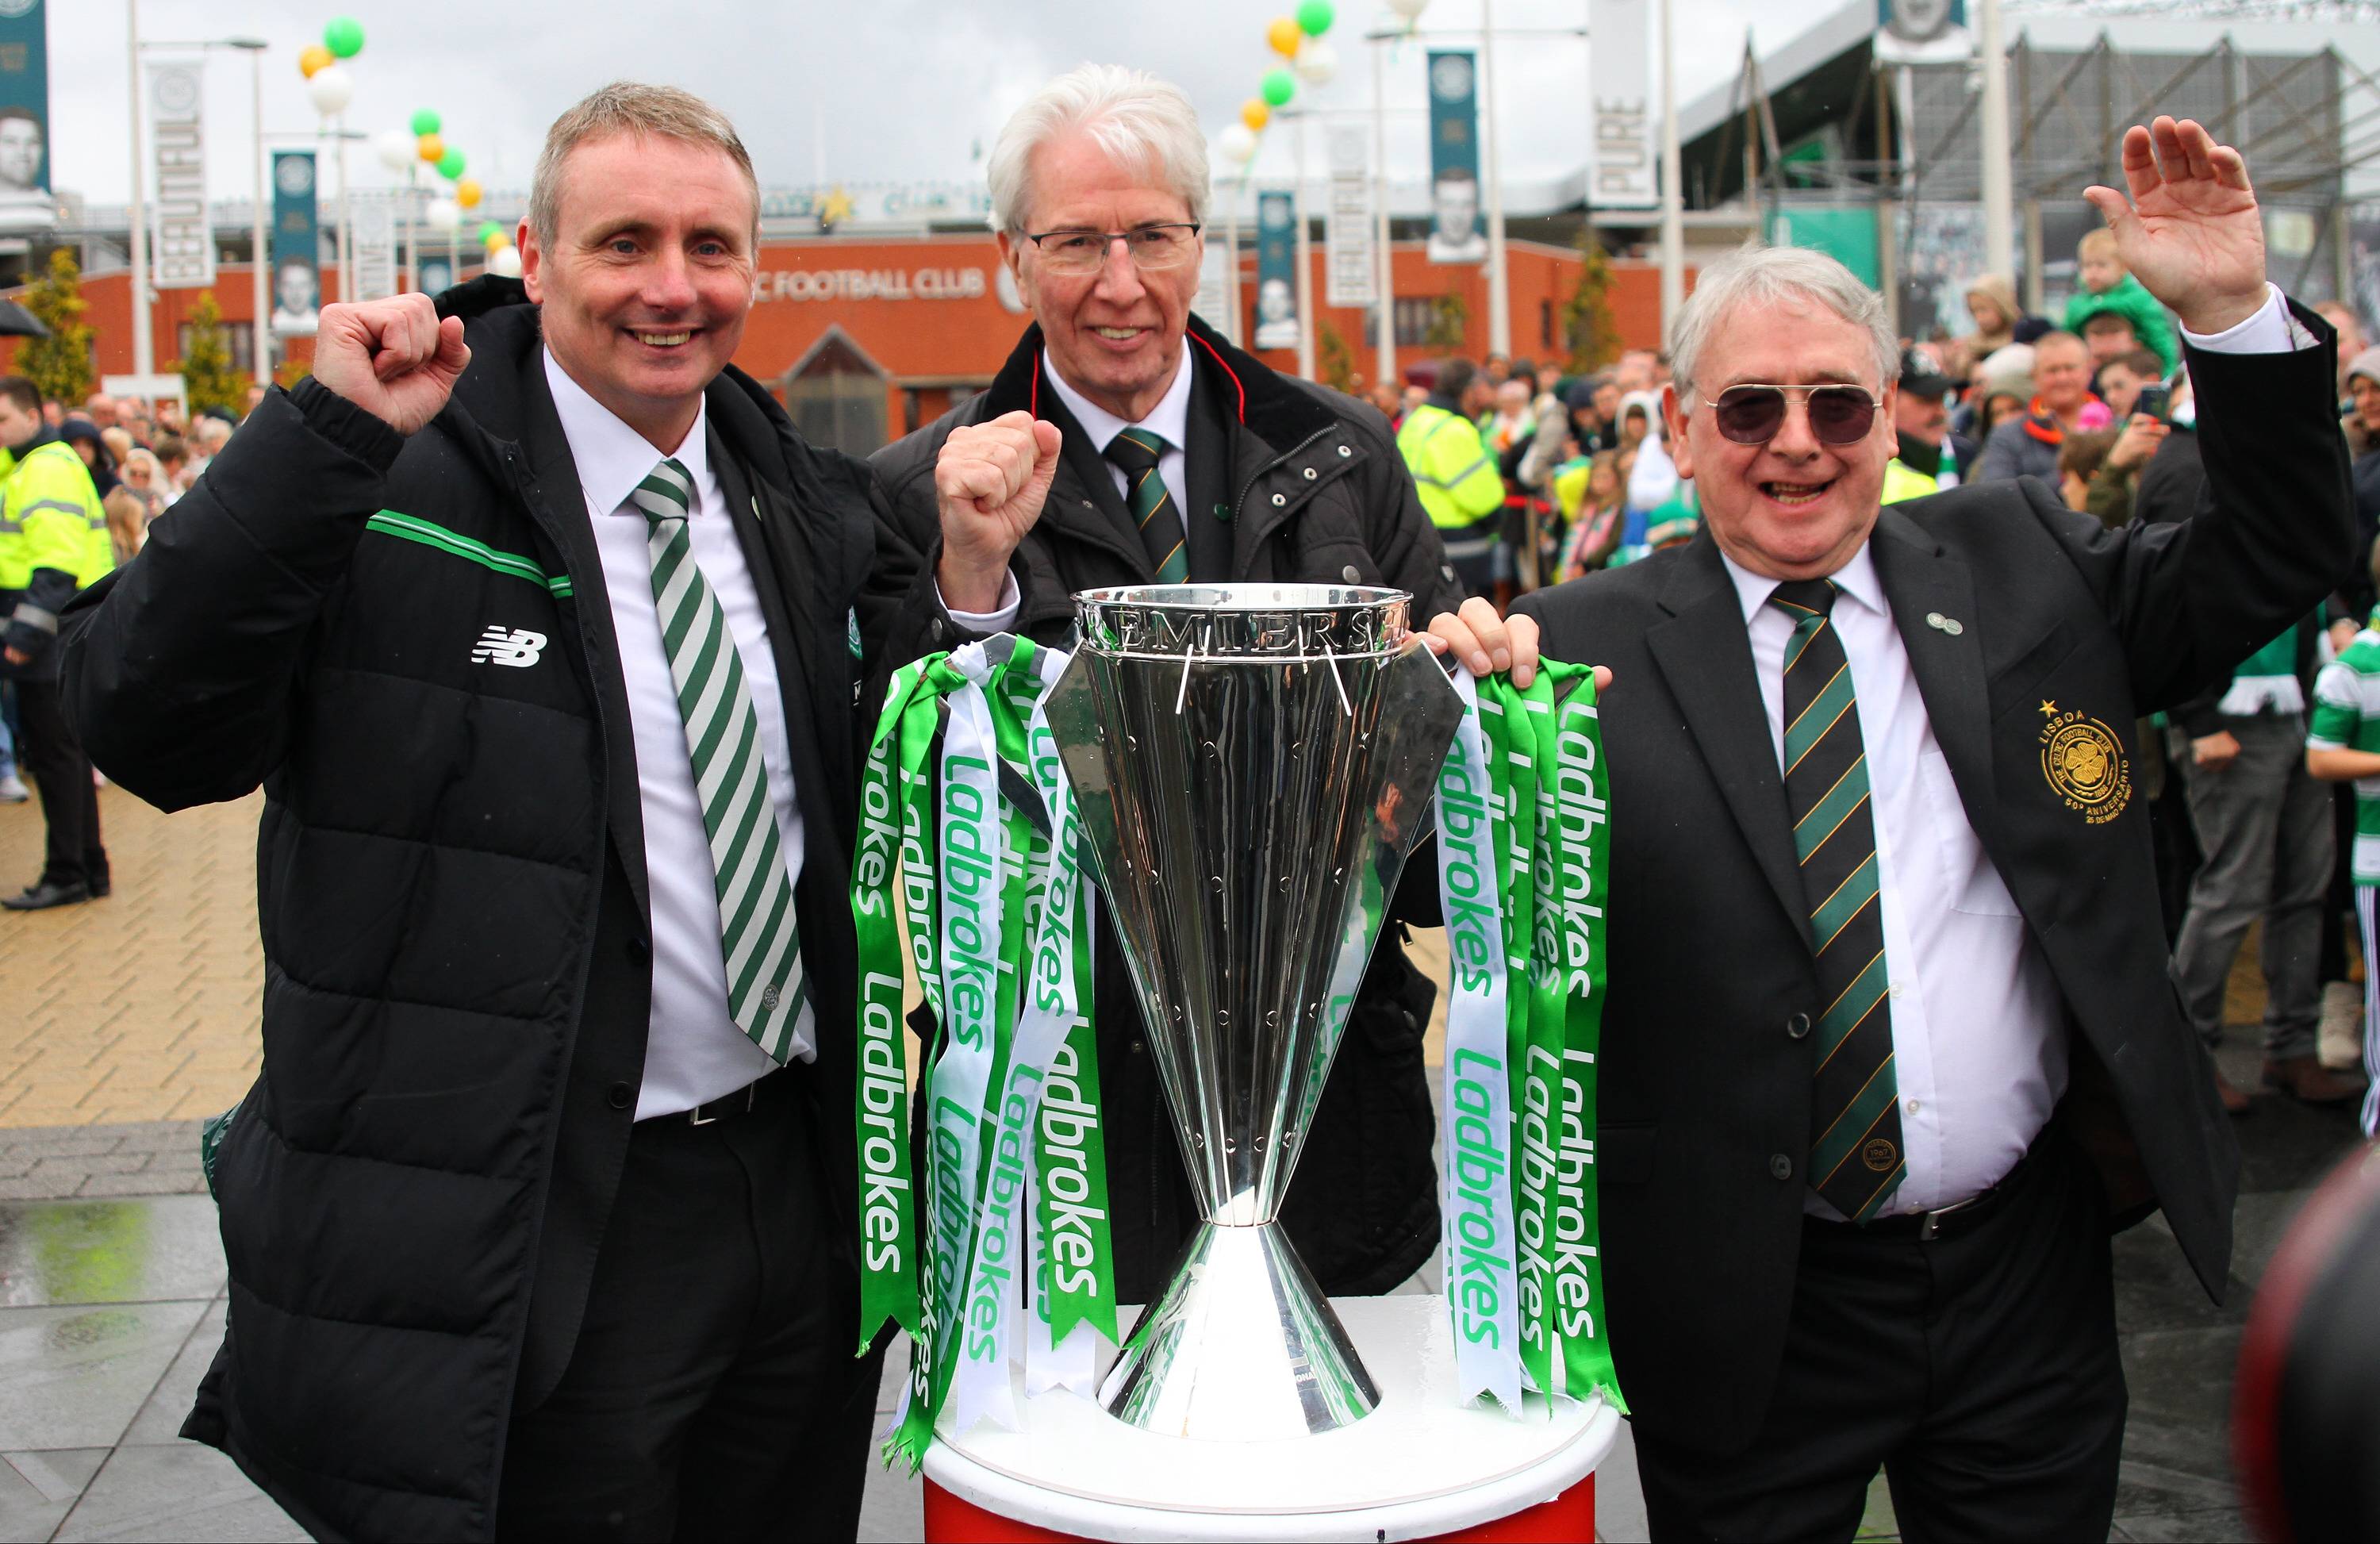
{"x": 1751, "y": 413}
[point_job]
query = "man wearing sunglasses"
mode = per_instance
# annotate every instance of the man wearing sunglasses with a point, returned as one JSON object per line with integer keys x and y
{"x": 1889, "y": 1046}
{"x": 1126, "y": 442}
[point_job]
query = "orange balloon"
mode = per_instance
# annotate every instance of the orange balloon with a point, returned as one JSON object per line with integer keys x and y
{"x": 1284, "y": 35}
{"x": 467, "y": 192}
{"x": 496, "y": 241}
{"x": 433, "y": 148}
{"x": 315, "y": 57}
{"x": 1256, "y": 113}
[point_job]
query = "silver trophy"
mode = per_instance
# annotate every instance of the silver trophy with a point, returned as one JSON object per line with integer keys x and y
{"x": 1252, "y": 764}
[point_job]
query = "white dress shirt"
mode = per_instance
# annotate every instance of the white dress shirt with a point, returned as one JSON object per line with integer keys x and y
{"x": 1978, "y": 1026}
{"x": 694, "y": 1052}
{"x": 1170, "y": 419}
{"x": 1978, "y": 1029}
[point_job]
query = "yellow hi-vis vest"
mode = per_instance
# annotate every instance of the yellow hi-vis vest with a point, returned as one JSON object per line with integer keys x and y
{"x": 1902, "y": 482}
{"x": 1457, "y": 478}
{"x": 51, "y": 518}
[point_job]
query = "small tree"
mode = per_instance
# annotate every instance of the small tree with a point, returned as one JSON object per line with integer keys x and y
{"x": 208, "y": 380}
{"x": 1338, "y": 365}
{"x": 1588, "y": 329}
{"x": 59, "y": 364}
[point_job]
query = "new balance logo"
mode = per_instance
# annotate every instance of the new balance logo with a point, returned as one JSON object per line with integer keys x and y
{"x": 517, "y": 647}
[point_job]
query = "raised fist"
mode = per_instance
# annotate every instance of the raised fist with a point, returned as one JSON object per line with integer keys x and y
{"x": 989, "y": 483}
{"x": 394, "y": 359}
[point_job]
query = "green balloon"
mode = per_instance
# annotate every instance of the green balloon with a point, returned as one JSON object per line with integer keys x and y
{"x": 1315, "y": 18}
{"x": 343, "y": 37}
{"x": 450, "y": 165}
{"x": 426, "y": 122}
{"x": 489, "y": 228}
{"x": 1279, "y": 87}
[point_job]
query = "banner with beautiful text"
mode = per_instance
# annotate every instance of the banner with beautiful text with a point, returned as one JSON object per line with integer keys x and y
{"x": 1618, "y": 36}
{"x": 183, "y": 235}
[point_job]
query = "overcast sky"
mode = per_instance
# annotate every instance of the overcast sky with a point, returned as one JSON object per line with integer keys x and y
{"x": 906, "y": 90}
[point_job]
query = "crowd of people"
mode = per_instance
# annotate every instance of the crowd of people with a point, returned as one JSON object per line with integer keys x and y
{"x": 67, "y": 517}
{"x": 1535, "y": 476}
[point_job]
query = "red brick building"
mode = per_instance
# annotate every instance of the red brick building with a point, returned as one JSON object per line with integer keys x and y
{"x": 867, "y": 338}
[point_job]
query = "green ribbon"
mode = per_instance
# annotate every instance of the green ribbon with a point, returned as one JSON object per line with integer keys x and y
{"x": 1548, "y": 814}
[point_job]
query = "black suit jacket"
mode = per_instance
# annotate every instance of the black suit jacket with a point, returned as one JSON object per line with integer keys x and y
{"x": 1703, "y": 1089}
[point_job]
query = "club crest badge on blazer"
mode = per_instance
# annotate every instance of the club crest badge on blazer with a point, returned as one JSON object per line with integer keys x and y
{"x": 2083, "y": 762}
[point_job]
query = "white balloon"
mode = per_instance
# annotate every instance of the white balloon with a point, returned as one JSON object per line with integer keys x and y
{"x": 1316, "y": 62}
{"x": 332, "y": 90}
{"x": 1408, "y": 8}
{"x": 1238, "y": 143}
{"x": 505, "y": 262}
{"x": 396, "y": 149}
{"x": 444, "y": 215}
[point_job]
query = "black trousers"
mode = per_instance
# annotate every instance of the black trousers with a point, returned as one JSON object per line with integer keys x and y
{"x": 713, "y": 1393}
{"x": 1979, "y": 1372}
{"x": 69, "y": 799}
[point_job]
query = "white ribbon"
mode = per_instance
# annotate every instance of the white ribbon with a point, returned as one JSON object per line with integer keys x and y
{"x": 1476, "y": 1197}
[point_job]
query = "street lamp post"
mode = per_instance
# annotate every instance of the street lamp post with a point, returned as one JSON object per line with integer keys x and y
{"x": 1674, "y": 236}
{"x": 145, "y": 348}
{"x": 1384, "y": 262}
{"x": 259, "y": 330}
{"x": 1997, "y": 202}
{"x": 1500, "y": 302}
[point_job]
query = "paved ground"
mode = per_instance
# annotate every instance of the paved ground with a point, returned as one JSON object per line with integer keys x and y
{"x": 142, "y": 1006}
{"x": 126, "y": 1020}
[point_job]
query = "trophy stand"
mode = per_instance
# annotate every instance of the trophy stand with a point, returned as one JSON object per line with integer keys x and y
{"x": 1251, "y": 766}
{"x": 1418, "y": 1466}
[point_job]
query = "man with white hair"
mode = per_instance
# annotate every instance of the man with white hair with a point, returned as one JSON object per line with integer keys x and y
{"x": 1874, "y": 765}
{"x": 1126, "y": 442}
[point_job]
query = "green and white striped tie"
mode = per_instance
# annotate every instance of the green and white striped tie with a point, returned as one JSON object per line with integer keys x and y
{"x": 758, "y": 937}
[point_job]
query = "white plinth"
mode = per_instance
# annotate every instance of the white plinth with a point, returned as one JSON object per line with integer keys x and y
{"x": 1418, "y": 1465}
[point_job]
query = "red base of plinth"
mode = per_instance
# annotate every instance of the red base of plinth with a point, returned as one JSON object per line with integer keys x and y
{"x": 1565, "y": 1519}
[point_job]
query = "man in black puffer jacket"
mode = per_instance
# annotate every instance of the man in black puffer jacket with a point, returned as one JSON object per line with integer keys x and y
{"x": 1011, "y": 499}
{"x": 539, "y": 1223}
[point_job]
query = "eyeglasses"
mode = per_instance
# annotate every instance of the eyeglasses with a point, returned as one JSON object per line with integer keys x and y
{"x": 1154, "y": 249}
{"x": 1750, "y": 415}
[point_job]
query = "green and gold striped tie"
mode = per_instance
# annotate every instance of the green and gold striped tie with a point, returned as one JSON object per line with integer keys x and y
{"x": 1138, "y": 452}
{"x": 758, "y": 937}
{"x": 1855, "y": 1152}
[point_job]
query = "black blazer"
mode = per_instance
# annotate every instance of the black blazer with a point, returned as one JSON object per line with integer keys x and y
{"x": 1703, "y": 1090}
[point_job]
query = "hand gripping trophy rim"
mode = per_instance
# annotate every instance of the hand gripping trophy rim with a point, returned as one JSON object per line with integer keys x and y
{"x": 1252, "y": 765}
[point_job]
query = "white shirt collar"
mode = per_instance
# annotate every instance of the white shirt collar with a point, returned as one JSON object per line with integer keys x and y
{"x": 1170, "y": 417}
{"x": 1855, "y": 578}
{"x": 612, "y": 457}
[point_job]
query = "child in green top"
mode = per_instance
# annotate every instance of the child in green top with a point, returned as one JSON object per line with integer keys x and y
{"x": 2343, "y": 746}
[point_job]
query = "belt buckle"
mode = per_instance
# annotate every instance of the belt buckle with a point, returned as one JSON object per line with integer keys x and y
{"x": 1931, "y": 1228}
{"x": 751, "y": 1095}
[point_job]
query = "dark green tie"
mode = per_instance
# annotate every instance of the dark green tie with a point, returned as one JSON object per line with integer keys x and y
{"x": 1138, "y": 452}
{"x": 1855, "y": 1157}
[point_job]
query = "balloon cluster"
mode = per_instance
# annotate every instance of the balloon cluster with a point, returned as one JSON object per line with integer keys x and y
{"x": 1305, "y": 58}
{"x": 329, "y": 86}
{"x": 423, "y": 143}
